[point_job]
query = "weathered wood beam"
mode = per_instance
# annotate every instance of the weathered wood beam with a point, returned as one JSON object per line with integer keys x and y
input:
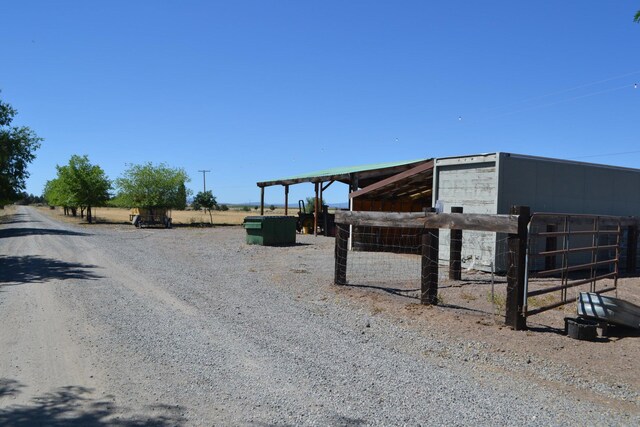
{"x": 455, "y": 250}
{"x": 427, "y": 166}
{"x": 454, "y": 221}
{"x": 286, "y": 200}
{"x": 515, "y": 311}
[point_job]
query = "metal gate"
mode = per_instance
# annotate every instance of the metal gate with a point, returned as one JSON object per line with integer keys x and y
{"x": 570, "y": 251}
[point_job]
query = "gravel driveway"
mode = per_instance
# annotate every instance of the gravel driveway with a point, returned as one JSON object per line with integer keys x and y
{"x": 110, "y": 325}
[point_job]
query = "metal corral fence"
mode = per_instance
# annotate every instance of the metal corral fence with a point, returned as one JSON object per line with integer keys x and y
{"x": 567, "y": 254}
{"x": 537, "y": 254}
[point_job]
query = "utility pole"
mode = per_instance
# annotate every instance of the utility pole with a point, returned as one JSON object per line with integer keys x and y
{"x": 204, "y": 179}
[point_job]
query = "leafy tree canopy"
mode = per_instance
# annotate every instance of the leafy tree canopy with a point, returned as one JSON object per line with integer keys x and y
{"x": 149, "y": 186}
{"x": 205, "y": 200}
{"x": 17, "y": 147}
{"x": 637, "y": 17}
{"x": 78, "y": 183}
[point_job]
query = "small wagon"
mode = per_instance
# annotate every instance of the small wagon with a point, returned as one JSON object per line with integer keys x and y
{"x": 150, "y": 217}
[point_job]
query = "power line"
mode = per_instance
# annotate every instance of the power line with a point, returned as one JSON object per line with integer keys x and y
{"x": 549, "y": 104}
{"x": 608, "y": 154}
{"x": 534, "y": 98}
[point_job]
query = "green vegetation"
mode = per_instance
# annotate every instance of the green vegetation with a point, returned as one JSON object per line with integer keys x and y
{"x": 17, "y": 145}
{"x": 29, "y": 199}
{"x": 499, "y": 301}
{"x": 205, "y": 200}
{"x": 310, "y": 205}
{"x": 149, "y": 186}
{"x": 79, "y": 184}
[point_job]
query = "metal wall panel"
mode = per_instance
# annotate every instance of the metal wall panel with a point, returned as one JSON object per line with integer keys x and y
{"x": 549, "y": 185}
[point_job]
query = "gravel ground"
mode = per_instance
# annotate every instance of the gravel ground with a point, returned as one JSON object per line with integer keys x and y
{"x": 194, "y": 327}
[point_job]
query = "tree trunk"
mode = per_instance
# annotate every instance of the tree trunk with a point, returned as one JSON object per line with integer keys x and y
{"x": 89, "y": 216}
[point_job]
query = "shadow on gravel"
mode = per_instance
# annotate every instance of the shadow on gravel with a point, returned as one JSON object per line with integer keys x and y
{"x": 32, "y": 268}
{"x": 73, "y": 406}
{"x": 612, "y": 332}
{"x": 341, "y": 420}
{"x": 15, "y": 219}
{"x": 407, "y": 293}
{"x": 19, "y": 232}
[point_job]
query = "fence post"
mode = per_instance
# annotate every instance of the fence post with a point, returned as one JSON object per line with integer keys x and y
{"x": 632, "y": 249}
{"x": 429, "y": 279}
{"x": 455, "y": 250}
{"x": 515, "y": 316}
{"x": 342, "y": 234}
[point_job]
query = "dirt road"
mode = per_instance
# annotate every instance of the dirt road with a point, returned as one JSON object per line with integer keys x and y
{"x": 111, "y": 325}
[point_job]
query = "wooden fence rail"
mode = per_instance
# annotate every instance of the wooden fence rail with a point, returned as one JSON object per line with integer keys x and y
{"x": 515, "y": 225}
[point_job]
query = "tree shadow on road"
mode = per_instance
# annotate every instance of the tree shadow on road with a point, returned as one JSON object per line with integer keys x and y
{"x": 73, "y": 406}
{"x": 15, "y": 219}
{"x": 20, "y": 232}
{"x": 33, "y": 268}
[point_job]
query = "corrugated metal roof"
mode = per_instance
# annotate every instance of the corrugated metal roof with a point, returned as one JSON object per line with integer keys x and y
{"x": 349, "y": 169}
{"x": 341, "y": 171}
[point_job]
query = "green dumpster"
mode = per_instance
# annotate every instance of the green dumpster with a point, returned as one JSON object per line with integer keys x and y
{"x": 270, "y": 230}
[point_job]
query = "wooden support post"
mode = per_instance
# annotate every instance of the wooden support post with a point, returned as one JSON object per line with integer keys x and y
{"x": 315, "y": 212}
{"x": 286, "y": 199}
{"x": 429, "y": 279}
{"x": 551, "y": 245}
{"x": 515, "y": 316}
{"x": 261, "y": 200}
{"x": 455, "y": 250}
{"x": 342, "y": 236}
{"x": 632, "y": 249}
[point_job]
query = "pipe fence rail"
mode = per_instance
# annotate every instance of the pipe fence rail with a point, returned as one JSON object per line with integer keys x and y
{"x": 534, "y": 255}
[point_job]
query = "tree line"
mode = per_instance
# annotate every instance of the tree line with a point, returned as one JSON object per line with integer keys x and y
{"x": 81, "y": 186}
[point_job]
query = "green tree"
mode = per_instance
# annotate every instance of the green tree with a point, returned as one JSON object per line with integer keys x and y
{"x": 56, "y": 193}
{"x": 637, "y": 17}
{"x": 181, "y": 197}
{"x": 17, "y": 147}
{"x": 205, "y": 200}
{"x": 80, "y": 184}
{"x": 310, "y": 205}
{"x": 149, "y": 186}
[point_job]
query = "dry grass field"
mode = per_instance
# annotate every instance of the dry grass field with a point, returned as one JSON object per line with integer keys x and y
{"x": 188, "y": 217}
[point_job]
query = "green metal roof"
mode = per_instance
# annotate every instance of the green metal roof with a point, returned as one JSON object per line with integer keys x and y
{"x": 337, "y": 173}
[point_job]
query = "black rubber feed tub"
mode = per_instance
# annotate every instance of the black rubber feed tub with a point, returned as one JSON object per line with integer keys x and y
{"x": 581, "y": 329}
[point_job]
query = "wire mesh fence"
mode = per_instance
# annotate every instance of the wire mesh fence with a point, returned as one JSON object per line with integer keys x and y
{"x": 392, "y": 260}
{"x": 510, "y": 265}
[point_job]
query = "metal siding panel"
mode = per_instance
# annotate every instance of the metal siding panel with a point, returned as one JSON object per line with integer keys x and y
{"x": 548, "y": 186}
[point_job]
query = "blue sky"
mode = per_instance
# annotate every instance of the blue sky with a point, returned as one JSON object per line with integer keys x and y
{"x": 258, "y": 90}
